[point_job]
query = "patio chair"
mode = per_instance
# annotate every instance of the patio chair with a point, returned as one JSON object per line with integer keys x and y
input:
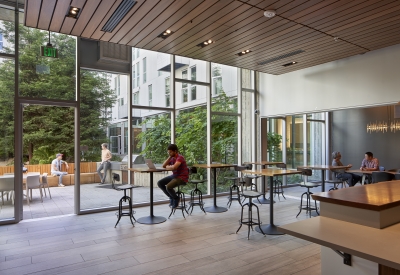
{"x": 45, "y": 184}
{"x": 7, "y": 188}
{"x": 33, "y": 182}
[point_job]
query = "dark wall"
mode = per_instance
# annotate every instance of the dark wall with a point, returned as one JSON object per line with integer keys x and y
{"x": 350, "y": 137}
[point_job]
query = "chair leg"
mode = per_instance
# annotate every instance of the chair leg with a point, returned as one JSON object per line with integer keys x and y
{"x": 301, "y": 204}
{"x": 41, "y": 194}
{"x": 48, "y": 190}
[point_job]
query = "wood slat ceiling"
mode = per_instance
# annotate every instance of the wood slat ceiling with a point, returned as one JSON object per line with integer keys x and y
{"x": 234, "y": 25}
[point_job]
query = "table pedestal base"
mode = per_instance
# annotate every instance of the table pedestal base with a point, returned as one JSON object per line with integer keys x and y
{"x": 151, "y": 220}
{"x": 263, "y": 200}
{"x": 215, "y": 209}
{"x": 269, "y": 229}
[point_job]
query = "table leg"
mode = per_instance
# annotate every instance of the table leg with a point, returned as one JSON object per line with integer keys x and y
{"x": 215, "y": 208}
{"x": 263, "y": 199}
{"x": 151, "y": 219}
{"x": 323, "y": 180}
{"x": 271, "y": 228}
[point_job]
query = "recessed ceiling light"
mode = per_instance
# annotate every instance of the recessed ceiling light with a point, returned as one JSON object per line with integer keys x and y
{"x": 243, "y": 52}
{"x": 73, "y": 12}
{"x": 165, "y": 34}
{"x": 289, "y": 64}
{"x": 269, "y": 13}
{"x": 205, "y": 43}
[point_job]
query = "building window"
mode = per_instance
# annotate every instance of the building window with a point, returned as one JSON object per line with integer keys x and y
{"x": 184, "y": 86}
{"x": 134, "y": 76}
{"x": 1, "y": 41}
{"x": 137, "y": 75}
{"x": 144, "y": 70}
{"x": 167, "y": 93}
{"x": 120, "y": 101}
{"x": 150, "y": 95}
{"x": 216, "y": 79}
{"x": 193, "y": 94}
{"x": 117, "y": 85}
{"x": 136, "y": 98}
{"x": 193, "y": 73}
{"x": 137, "y": 53}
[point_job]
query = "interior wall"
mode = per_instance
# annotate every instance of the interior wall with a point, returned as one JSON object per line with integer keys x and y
{"x": 350, "y": 137}
{"x": 362, "y": 80}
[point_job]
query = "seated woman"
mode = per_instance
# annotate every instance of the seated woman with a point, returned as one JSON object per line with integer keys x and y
{"x": 351, "y": 179}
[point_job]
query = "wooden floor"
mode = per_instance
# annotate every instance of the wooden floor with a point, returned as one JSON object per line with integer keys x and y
{"x": 199, "y": 244}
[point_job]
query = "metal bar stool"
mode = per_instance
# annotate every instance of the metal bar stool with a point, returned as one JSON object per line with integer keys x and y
{"x": 235, "y": 187}
{"x": 250, "y": 221}
{"x": 182, "y": 203}
{"x": 278, "y": 185}
{"x": 196, "y": 196}
{"x": 308, "y": 185}
{"x": 124, "y": 199}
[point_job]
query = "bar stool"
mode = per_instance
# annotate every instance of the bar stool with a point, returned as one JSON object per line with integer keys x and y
{"x": 234, "y": 187}
{"x": 336, "y": 182}
{"x": 250, "y": 221}
{"x": 308, "y": 185}
{"x": 196, "y": 192}
{"x": 278, "y": 185}
{"x": 181, "y": 205}
{"x": 124, "y": 199}
{"x": 248, "y": 181}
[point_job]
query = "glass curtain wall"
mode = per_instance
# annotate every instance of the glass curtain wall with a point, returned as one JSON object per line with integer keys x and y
{"x": 152, "y": 103}
{"x": 103, "y": 115}
{"x": 224, "y": 121}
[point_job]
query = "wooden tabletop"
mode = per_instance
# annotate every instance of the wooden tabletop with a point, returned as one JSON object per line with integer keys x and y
{"x": 264, "y": 162}
{"x": 215, "y": 165}
{"x": 377, "y": 245}
{"x": 147, "y": 170}
{"x": 271, "y": 172}
{"x": 367, "y": 172}
{"x": 322, "y": 167}
{"x": 376, "y": 197}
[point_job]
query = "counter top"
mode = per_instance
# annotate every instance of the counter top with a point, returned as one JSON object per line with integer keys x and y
{"x": 376, "y": 197}
{"x": 377, "y": 245}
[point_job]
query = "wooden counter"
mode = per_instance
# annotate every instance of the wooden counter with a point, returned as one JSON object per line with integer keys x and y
{"x": 381, "y": 246}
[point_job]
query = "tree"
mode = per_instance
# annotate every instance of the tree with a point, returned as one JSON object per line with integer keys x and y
{"x": 274, "y": 141}
{"x": 47, "y": 129}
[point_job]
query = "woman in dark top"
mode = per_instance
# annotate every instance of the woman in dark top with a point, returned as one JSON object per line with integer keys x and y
{"x": 351, "y": 179}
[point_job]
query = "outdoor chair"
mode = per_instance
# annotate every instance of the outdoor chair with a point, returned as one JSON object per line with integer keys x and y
{"x": 7, "y": 188}
{"x": 45, "y": 184}
{"x": 33, "y": 182}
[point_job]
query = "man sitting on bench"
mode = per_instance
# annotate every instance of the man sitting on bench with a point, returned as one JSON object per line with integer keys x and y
{"x": 56, "y": 168}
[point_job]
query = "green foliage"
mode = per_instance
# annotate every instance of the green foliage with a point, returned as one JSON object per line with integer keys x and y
{"x": 191, "y": 136}
{"x": 48, "y": 130}
{"x": 274, "y": 141}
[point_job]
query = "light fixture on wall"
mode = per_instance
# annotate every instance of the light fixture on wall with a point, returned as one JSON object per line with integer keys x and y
{"x": 384, "y": 126}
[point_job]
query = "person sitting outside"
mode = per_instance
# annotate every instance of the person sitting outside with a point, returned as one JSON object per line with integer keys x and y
{"x": 341, "y": 174}
{"x": 56, "y": 168}
{"x": 105, "y": 162}
{"x": 176, "y": 163}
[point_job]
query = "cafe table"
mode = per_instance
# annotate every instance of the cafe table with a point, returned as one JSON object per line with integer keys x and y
{"x": 271, "y": 228}
{"x": 365, "y": 172}
{"x": 214, "y": 166}
{"x": 323, "y": 168}
{"x": 150, "y": 219}
{"x": 263, "y": 164}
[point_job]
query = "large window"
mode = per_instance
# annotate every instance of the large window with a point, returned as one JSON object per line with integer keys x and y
{"x": 144, "y": 70}
{"x": 150, "y": 91}
{"x": 167, "y": 92}
{"x": 137, "y": 74}
{"x": 216, "y": 73}
{"x": 184, "y": 86}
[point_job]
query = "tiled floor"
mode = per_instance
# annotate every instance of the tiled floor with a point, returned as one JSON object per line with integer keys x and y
{"x": 200, "y": 244}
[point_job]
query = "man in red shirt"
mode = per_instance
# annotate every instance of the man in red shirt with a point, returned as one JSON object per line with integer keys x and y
{"x": 176, "y": 163}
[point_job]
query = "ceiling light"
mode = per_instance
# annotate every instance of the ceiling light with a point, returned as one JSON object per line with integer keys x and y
{"x": 289, "y": 64}
{"x": 205, "y": 43}
{"x": 243, "y": 52}
{"x": 165, "y": 34}
{"x": 336, "y": 39}
{"x": 73, "y": 12}
{"x": 269, "y": 13}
